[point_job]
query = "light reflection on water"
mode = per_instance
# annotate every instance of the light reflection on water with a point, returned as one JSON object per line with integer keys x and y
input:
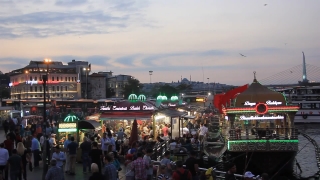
{"x": 307, "y": 157}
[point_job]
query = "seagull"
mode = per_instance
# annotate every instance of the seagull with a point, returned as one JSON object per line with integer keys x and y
{"x": 285, "y": 43}
{"x": 291, "y": 71}
{"x": 242, "y": 55}
{"x": 265, "y": 4}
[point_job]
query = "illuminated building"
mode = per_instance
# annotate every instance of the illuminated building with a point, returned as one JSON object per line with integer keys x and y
{"x": 64, "y": 81}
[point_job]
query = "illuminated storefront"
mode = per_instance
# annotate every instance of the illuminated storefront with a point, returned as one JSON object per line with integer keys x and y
{"x": 122, "y": 114}
{"x": 68, "y": 126}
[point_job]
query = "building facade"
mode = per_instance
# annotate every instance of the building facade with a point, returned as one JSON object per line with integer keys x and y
{"x": 116, "y": 82}
{"x": 64, "y": 81}
{"x": 97, "y": 89}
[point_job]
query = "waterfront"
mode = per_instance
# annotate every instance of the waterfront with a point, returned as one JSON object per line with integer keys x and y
{"x": 307, "y": 157}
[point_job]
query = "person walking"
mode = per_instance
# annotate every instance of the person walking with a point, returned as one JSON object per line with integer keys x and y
{"x": 86, "y": 161}
{"x": 35, "y": 148}
{"x": 4, "y": 156}
{"x": 110, "y": 171}
{"x": 192, "y": 165}
{"x": 26, "y": 158}
{"x": 96, "y": 175}
{"x": 140, "y": 167}
{"x": 96, "y": 155}
{"x": 65, "y": 145}
{"x": 54, "y": 173}
{"x": 15, "y": 164}
{"x": 59, "y": 157}
{"x": 147, "y": 158}
{"x": 72, "y": 149}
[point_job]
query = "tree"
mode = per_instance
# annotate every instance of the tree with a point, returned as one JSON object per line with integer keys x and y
{"x": 110, "y": 92}
{"x": 166, "y": 90}
{"x": 132, "y": 87}
{"x": 183, "y": 87}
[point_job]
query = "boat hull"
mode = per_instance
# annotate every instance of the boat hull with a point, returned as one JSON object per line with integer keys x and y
{"x": 273, "y": 163}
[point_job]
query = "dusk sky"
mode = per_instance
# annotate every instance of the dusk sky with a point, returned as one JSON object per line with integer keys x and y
{"x": 170, "y": 37}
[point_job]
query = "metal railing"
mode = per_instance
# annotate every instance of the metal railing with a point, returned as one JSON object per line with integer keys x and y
{"x": 217, "y": 175}
{"x": 263, "y": 133}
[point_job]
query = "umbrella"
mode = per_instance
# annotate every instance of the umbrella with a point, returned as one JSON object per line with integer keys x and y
{"x": 134, "y": 133}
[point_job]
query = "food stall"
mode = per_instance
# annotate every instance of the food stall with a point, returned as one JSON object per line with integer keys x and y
{"x": 122, "y": 114}
{"x": 68, "y": 126}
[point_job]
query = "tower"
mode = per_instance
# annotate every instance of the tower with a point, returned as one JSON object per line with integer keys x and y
{"x": 304, "y": 70}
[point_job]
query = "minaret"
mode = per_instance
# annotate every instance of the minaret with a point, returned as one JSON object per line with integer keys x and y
{"x": 304, "y": 70}
{"x": 190, "y": 78}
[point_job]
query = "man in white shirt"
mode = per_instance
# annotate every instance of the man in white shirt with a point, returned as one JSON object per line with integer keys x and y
{"x": 59, "y": 157}
{"x": 4, "y": 156}
{"x": 184, "y": 131}
{"x": 203, "y": 131}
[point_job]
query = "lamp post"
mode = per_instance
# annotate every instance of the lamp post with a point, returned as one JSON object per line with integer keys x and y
{"x": 87, "y": 71}
{"x": 150, "y": 73}
{"x": 27, "y": 74}
{"x": 208, "y": 85}
{"x": 44, "y": 84}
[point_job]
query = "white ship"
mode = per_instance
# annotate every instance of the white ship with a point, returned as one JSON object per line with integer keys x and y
{"x": 308, "y": 98}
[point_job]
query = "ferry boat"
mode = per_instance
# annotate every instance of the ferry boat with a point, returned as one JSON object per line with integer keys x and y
{"x": 262, "y": 137}
{"x": 308, "y": 99}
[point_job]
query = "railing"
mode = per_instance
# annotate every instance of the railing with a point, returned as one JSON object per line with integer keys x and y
{"x": 217, "y": 175}
{"x": 263, "y": 133}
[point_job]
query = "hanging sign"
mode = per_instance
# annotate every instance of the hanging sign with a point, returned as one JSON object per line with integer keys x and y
{"x": 261, "y": 117}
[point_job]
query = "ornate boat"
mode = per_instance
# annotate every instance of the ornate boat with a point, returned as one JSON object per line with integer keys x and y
{"x": 262, "y": 137}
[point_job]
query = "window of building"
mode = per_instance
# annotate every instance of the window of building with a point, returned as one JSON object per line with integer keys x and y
{"x": 66, "y": 95}
{"x": 57, "y": 78}
{"x": 72, "y": 79}
{"x": 30, "y": 88}
{"x": 30, "y": 78}
{"x": 53, "y": 88}
{"x": 65, "y": 79}
{"x": 35, "y": 89}
{"x": 40, "y": 95}
{"x": 35, "y": 96}
{"x": 66, "y": 88}
{"x": 40, "y": 88}
{"x": 36, "y": 78}
{"x": 69, "y": 79}
{"x": 52, "y": 78}
{"x": 57, "y": 88}
{"x": 58, "y": 95}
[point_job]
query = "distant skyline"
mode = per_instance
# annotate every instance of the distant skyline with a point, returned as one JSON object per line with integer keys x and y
{"x": 204, "y": 39}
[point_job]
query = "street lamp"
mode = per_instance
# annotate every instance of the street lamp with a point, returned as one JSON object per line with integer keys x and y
{"x": 27, "y": 79}
{"x": 150, "y": 73}
{"x": 44, "y": 84}
{"x": 208, "y": 85}
{"x": 87, "y": 71}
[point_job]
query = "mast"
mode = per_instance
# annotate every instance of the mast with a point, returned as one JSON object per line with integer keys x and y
{"x": 304, "y": 70}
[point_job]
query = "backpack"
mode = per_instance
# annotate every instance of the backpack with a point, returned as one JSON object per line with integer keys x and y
{"x": 183, "y": 176}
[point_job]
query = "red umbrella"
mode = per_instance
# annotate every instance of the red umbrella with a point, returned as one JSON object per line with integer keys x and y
{"x": 134, "y": 133}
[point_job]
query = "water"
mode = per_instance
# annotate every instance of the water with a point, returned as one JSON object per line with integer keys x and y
{"x": 307, "y": 157}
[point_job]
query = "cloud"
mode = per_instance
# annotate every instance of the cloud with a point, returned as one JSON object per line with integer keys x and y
{"x": 101, "y": 18}
{"x": 68, "y": 3}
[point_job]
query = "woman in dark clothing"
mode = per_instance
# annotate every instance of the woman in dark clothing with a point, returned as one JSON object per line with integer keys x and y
{"x": 96, "y": 175}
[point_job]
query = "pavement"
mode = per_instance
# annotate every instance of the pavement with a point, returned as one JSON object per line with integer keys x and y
{"x": 36, "y": 174}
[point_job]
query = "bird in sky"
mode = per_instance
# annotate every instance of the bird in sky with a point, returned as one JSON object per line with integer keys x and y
{"x": 291, "y": 71}
{"x": 265, "y": 4}
{"x": 242, "y": 55}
